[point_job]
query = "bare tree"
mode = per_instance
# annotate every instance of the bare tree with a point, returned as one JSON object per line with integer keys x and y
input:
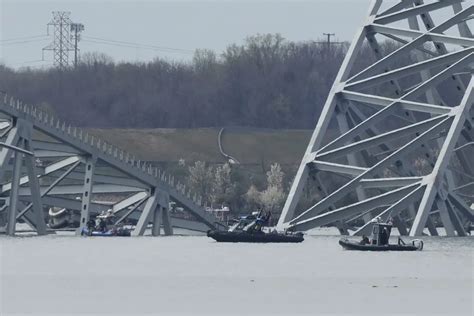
{"x": 275, "y": 176}
{"x": 253, "y": 197}
{"x": 223, "y": 189}
{"x": 273, "y": 196}
{"x": 200, "y": 180}
{"x": 272, "y": 199}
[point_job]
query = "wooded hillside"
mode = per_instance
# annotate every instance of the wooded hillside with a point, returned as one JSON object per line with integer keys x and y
{"x": 267, "y": 82}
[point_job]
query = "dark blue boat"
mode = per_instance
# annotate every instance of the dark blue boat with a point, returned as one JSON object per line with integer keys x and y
{"x": 249, "y": 229}
{"x": 352, "y": 245}
{"x": 261, "y": 237}
{"x": 379, "y": 241}
{"x": 119, "y": 232}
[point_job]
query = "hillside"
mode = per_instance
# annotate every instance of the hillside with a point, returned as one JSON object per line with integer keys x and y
{"x": 248, "y": 145}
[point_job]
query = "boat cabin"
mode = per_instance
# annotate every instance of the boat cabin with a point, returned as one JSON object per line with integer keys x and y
{"x": 250, "y": 223}
{"x": 380, "y": 234}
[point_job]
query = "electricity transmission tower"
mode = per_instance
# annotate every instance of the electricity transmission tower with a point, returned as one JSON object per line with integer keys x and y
{"x": 62, "y": 44}
{"x": 395, "y": 137}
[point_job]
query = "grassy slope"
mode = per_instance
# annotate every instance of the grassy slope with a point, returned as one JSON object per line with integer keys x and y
{"x": 249, "y": 146}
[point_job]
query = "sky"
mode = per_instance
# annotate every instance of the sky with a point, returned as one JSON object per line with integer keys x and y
{"x": 142, "y": 30}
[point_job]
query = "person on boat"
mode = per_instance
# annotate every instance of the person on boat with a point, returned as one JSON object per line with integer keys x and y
{"x": 384, "y": 237}
{"x": 259, "y": 222}
{"x": 268, "y": 215}
{"x": 90, "y": 225}
{"x": 109, "y": 217}
{"x": 365, "y": 240}
{"x": 102, "y": 225}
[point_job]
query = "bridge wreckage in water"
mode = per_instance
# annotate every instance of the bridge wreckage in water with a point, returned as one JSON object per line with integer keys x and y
{"x": 46, "y": 164}
{"x": 413, "y": 106}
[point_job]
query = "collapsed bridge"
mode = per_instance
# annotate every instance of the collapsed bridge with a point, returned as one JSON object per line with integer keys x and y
{"x": 46, "y": 163}
{"x": 404, "y": 142}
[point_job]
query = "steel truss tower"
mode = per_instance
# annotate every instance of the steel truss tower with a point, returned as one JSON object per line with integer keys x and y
{"x": 395, "y": 137}
{"x": 62, "y": 42}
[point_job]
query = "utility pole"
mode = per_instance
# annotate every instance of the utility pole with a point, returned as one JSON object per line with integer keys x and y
{"x": 329, "y": 38}
{"x": 77, "y": 28}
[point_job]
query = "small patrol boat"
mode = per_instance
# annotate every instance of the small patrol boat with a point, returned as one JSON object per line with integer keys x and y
{"x": 249, "y": 229}
{"x": 104, "y": 226}
{"x": 119, "y": 232}
{"x": 379, "y": 241}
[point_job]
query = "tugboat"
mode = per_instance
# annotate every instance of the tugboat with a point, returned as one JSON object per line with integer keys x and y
{"x": 379, "y": 241}
{"x": 104, "y": 226}
{"x": 249, "y": 229}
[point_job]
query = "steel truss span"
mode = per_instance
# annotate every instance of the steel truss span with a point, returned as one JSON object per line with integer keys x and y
{"x": 45, "y": 163}
{"x": 395, "y": 137}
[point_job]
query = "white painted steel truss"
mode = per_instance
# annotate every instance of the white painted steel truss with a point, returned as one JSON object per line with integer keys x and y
{"x": 45, "y": 163}
{"x": 396, "y": 136}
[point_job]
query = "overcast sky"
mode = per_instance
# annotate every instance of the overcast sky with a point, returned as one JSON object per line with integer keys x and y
{"x": 184, "y": 25}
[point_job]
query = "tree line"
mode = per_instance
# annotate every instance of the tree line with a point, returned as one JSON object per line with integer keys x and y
{"x": 266, "y": 82}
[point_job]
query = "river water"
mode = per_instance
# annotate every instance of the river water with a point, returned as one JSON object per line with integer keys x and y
{"x": 193, "y": 275}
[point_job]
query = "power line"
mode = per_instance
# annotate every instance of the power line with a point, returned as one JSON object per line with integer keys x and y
{"x": 132, "y": 46}
{"x": 142, "y": 45}
{"x": 99, "y": 40}
{"x": 30, "y": 62}
{"x": 41, "y": 66}
{"x": 23, "y": 38}
{"x": 22, "y": 42}
{"x": 332, "y": 43}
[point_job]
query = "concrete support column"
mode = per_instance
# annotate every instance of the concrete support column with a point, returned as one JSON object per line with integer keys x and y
{"x": 87, "y": 192}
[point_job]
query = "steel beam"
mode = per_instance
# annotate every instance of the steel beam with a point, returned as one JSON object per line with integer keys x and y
{"x": 443, "y": 159}
{"x": 13, "y": 208}
{"x": 165, "y": 216}
{"x": 37, "y": 206}
{"x": 148, "y": 210}
{"x": 323, "y": 122}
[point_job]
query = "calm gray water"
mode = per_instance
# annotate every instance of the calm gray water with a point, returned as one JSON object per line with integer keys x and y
{"x": 195, "y": 275}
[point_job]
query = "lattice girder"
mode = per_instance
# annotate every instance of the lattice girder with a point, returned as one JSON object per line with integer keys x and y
{"x": 404, "y": 132}
{"x": 74, "y": 170}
